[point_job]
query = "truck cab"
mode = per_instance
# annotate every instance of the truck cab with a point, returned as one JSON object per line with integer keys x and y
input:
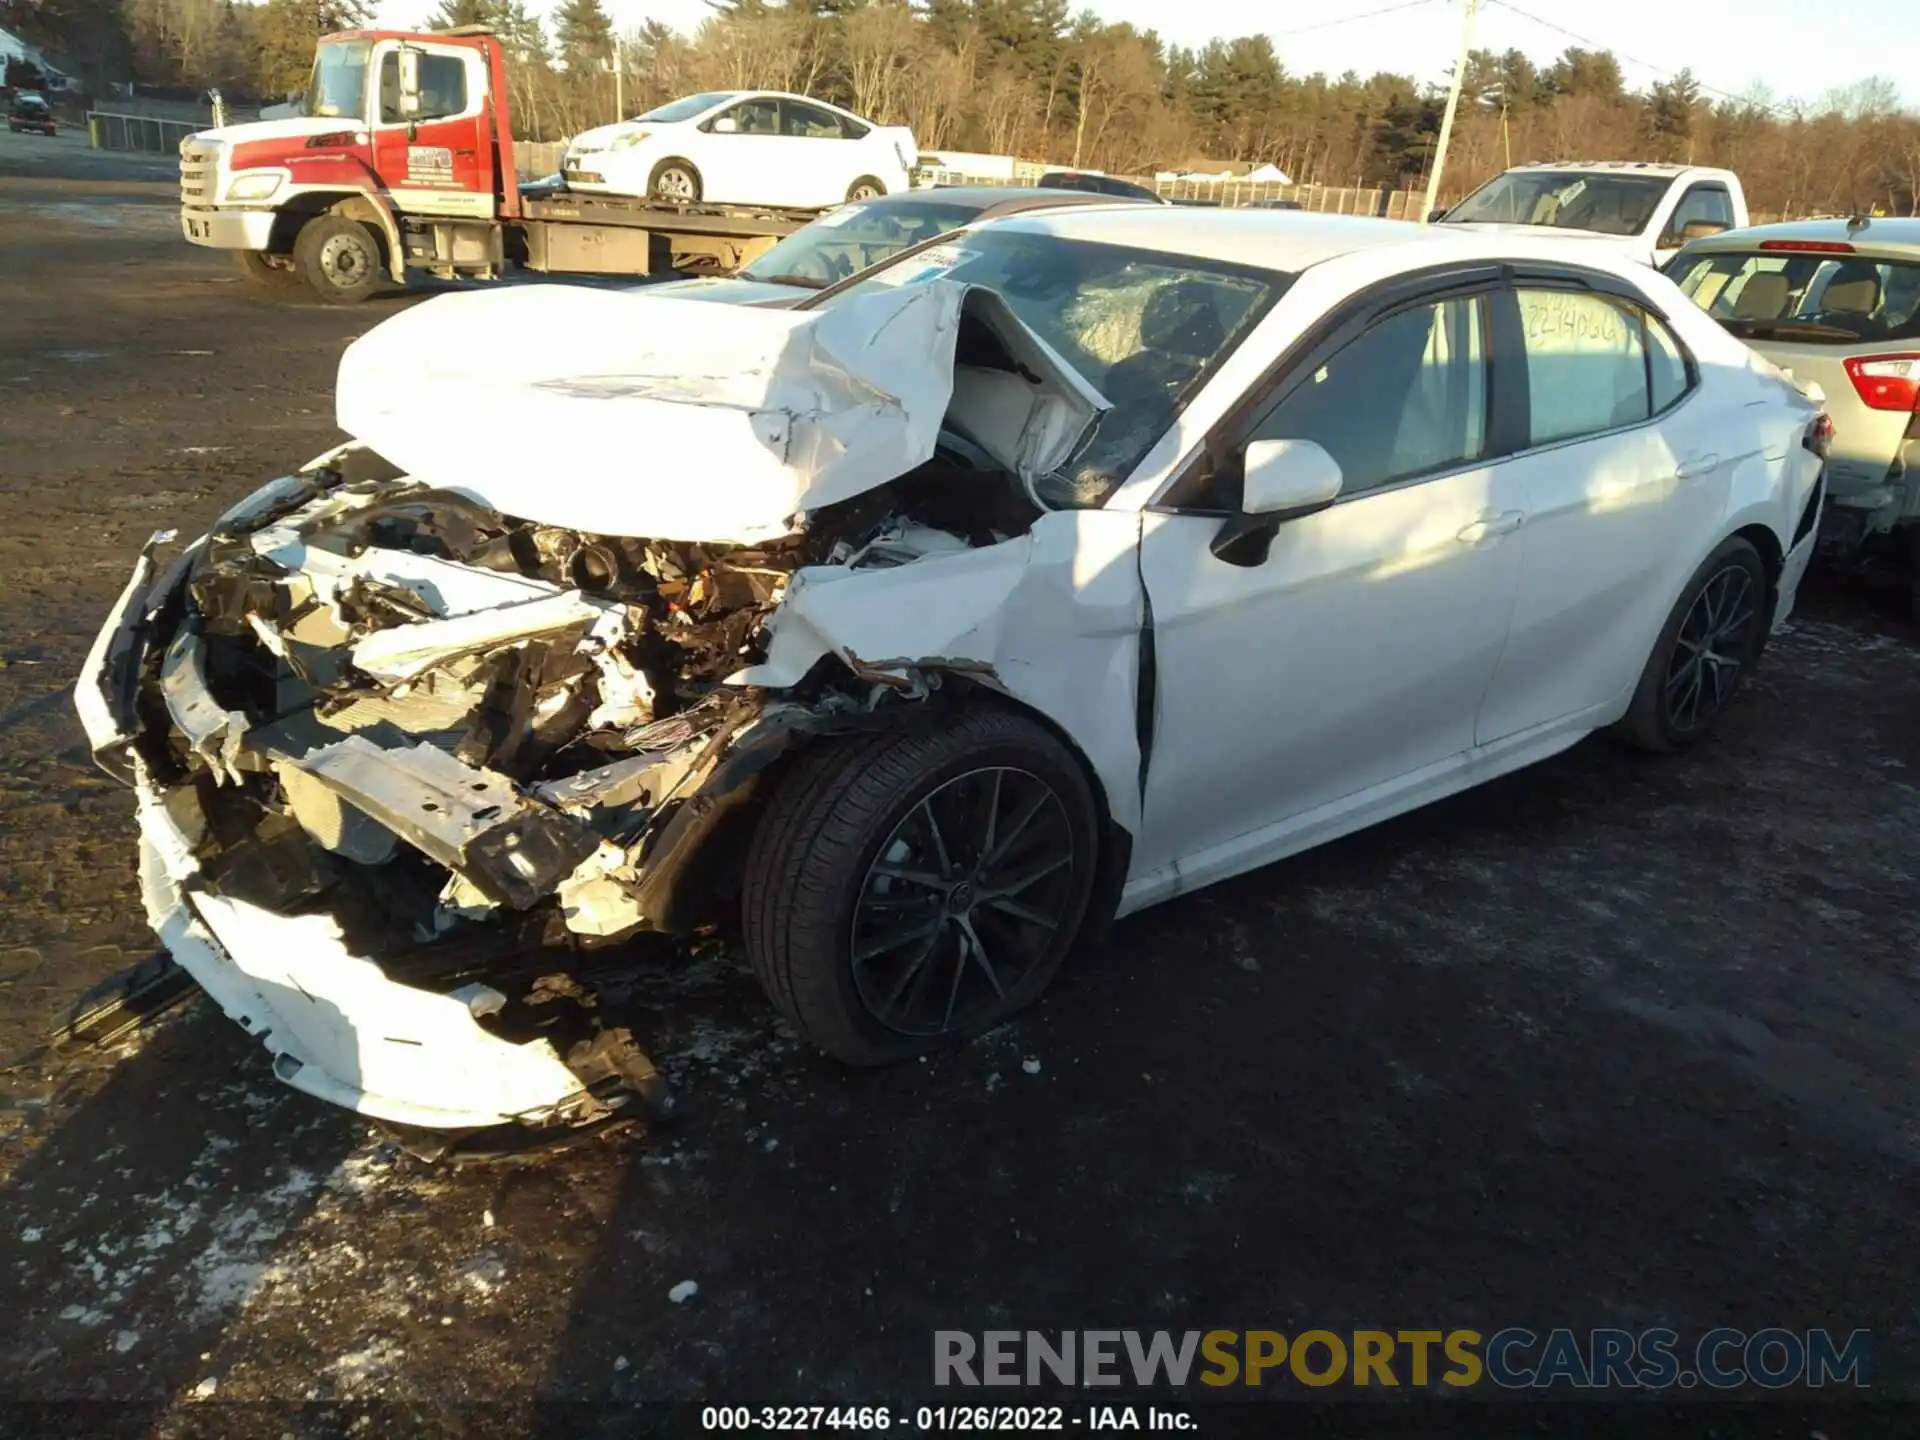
{"x": 1645, "y": 209}
{"x": 402, "y": 158}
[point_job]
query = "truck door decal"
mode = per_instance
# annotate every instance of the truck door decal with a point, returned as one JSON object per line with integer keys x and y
{"x": 429, "y": 165}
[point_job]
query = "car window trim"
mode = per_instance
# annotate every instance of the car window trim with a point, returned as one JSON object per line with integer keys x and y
{"x": 1332, "y": 333}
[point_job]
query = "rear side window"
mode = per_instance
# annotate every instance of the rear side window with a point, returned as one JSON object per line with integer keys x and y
{"x": 1813, "y": 299}
{"x": 1586, "y": 364}
{"x": 1666, "y": 366}
{"x": 1408, "y": 398}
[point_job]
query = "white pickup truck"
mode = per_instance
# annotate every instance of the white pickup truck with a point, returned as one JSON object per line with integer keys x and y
{"x": 1646, "y": 209}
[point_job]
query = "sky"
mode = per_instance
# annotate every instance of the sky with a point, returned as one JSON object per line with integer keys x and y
{"x": 1728, "y": 44}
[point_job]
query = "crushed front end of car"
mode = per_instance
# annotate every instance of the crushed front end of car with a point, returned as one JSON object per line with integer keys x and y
{"x": 408, "y": 762}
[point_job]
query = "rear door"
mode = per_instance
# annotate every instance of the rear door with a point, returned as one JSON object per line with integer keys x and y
{"x": 438, "y": 162}
{"x": 1625, "y": 470}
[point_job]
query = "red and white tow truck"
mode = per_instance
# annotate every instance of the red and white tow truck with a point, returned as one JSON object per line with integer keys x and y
{"x": 403, "y": 163}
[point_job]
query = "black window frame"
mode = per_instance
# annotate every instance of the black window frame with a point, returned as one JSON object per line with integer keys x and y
{"x": 392, "y": 57}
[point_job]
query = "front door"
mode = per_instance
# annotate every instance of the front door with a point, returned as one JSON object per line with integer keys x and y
{"x": 439, "y": 162}
{"x": 743, "y": 166}
{"x": 1357, "y": 652}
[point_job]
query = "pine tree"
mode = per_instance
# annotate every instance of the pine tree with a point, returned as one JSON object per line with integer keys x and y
{"x": 284, "y": 36}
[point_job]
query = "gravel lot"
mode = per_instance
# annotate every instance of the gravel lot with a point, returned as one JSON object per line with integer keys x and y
{"x": 1616, "y": 1041}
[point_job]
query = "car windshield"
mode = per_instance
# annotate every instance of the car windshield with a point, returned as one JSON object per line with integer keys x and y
{"x": 1607, "y": 203}
{"x": 855, "y": 237}
{"x": 686, "y": 107}
{"x": 1145, "y": 328}
{"x": 339, "y": 82}
{"x": 29, "y": 102}
{"x": 1817, "y": 299}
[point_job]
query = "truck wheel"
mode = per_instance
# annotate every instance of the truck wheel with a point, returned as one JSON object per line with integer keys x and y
{"x": 866, "y": 188}
{"x": 338, "y": 258}
{"x": 676, "y": 182}
{"x": 254, "y": 268}
{"x": 906, "y": 890}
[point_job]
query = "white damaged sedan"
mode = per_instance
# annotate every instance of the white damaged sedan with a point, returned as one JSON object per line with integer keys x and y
{"x": 1060, "y": 567}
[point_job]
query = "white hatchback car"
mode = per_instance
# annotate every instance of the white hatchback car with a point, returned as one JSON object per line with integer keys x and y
{"x": 744, "y": 147}
{"x": 1053, "y": 569}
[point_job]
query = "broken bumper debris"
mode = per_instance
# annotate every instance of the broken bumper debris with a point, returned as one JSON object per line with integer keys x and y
{"x": 319, "y": 733}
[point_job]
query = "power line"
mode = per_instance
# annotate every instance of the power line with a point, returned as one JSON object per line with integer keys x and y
{"x": 1659, "y": 70}
{"x": 1351, "y": 19}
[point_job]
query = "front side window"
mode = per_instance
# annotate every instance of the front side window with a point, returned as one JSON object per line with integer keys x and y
{"x": 1586, "y": 364}
{"x": 1408, "y": 398}
{"x": 1145, "y": 328}
{"x": 756, "y": 117}
{"x": 443, "y": 88}
{"x": 337, "y": 88}
{"x": 1708, "y": 203}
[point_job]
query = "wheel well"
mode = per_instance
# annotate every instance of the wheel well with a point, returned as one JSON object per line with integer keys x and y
{"x": 1772, "y": 560}
{"x": 287, "y": 222}
{"x": 712, "y": 867}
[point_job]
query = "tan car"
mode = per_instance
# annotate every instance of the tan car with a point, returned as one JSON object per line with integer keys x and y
{"x": 1836, "y": 303}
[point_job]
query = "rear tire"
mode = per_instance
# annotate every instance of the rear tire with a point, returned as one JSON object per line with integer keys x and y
{"x": 675, "y": 182}
{"x": 338, "y": 259}
{"x": 1711, "y": 639}
{"x": 886, "y": 914}
{"x": 253, "y": 267}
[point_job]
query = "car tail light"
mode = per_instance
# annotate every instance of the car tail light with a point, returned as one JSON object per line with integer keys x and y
{"x": 1886, "y": 382}
{"x": 1809, "y": 247}
{"x": 1819, "y": 436}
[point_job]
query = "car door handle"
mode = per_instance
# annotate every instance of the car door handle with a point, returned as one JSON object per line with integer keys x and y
{"x": 1696, "y": 467}
{"x": 1505, "y": 523}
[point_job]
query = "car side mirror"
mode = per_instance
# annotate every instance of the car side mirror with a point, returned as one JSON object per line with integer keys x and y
{"x": 725, "y": 125}
{"x": 409, "y": 84}
{"x": 1701, "y": 229}
{"x": 1282, "y": 480}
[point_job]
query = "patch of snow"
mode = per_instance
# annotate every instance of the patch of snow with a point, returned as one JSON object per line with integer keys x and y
{"x": 1032, "y": 1067}
{"x": 205, "y": 1389}
{"x": 125, "y": 1340}
{"x": 683, "y": 1292}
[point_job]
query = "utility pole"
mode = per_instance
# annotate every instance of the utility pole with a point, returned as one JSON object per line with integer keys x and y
{"x": 1453, "y": 104}
{"x": 619, "y": 85}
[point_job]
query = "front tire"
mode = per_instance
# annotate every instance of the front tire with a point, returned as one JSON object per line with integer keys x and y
{"x": 907, "y": 890}
{"x": 1712, "y": 637}
{"x": 255, "y": 269}
{"x": 675, "y": 182}
{"x": 866, "y": 188}
{"x": 338, "y": 258}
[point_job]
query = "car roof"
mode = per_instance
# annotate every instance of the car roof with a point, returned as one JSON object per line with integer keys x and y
{"x": 1884, "y": 235}
{"x": 1272, "y": 239}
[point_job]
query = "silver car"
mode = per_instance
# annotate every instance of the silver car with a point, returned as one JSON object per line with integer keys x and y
{"x": 1836, "y": 303}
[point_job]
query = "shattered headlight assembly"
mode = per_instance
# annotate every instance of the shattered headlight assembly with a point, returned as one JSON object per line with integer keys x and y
{"x": 253, "y": 187}
{"x": 629, "y": 140}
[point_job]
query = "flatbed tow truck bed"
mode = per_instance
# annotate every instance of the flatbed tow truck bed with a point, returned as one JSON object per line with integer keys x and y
{"x": 567, "y": 231}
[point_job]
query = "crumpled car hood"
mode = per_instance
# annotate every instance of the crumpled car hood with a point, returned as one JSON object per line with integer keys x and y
{"x": 641, "y": 415}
